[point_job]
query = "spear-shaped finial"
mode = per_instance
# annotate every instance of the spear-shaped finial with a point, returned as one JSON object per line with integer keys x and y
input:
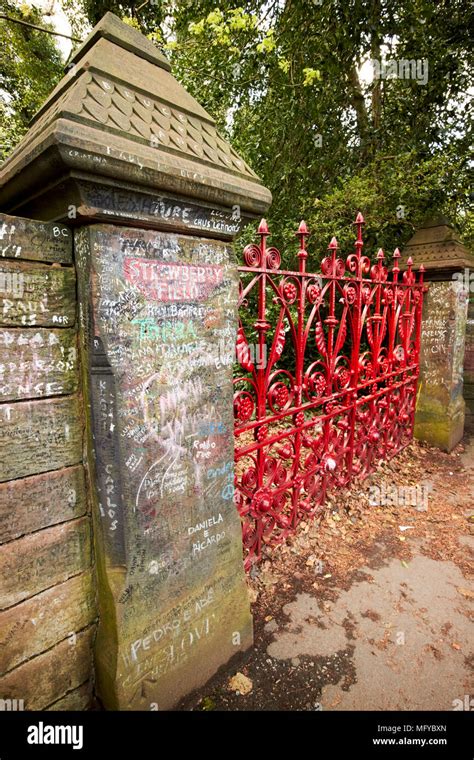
{"x": 359, "y": 222}
{"x": 263, "y": 232}
{"x": 302, "y": 233}
{"x": 396, "y": 267}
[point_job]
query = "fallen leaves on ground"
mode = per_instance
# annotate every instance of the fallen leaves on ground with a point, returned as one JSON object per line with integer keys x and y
{"x": 339, "y": 541}
{"x": 241, "y": 684}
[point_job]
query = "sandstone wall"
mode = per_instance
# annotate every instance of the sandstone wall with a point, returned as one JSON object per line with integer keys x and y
{"x": 47, "y": 596}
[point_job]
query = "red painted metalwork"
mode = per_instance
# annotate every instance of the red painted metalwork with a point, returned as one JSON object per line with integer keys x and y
{"x": 337, "y": 391}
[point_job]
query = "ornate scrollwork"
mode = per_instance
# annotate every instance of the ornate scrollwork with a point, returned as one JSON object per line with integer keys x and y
{"x": 273, "y": 260}
{"x": 252, "y": 255}
{"x": 337, "y": 392}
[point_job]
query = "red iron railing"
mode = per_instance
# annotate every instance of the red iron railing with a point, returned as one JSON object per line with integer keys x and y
{"x": 329, "y": 369}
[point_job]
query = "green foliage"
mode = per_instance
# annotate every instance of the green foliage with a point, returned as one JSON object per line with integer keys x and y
{"x": 396, "y": 194}
{"x": 30, "y": 66}
{"x": 283, "y": 82}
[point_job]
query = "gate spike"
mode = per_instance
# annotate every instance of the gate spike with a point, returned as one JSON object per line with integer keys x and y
{"x": 396, "y": 267}
{"x": 302, "y": 253}
{"x": 359, "y": 244}
{"x": 391, "y": 318}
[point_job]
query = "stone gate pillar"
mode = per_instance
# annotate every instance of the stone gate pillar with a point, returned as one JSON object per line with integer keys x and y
{"x": 469, "y": 353}
{"x": 124, "y": 154}
{"x": 440, "y": 410}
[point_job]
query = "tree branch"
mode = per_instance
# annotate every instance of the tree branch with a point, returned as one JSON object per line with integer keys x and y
{"x": 38, "y": 28}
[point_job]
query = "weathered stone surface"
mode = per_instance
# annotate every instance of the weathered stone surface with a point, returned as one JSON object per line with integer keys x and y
{"x": 33, "y": 563}
{"x": 440, "y": 409}
{"x": 101, "y": 202}
{"x": 111, "y": 28}
{"x": 177, "y": 652}
{"x": 37, "y": 436}
{"x": 437, "y": 246}
{"x": 37, "y": 624}
{"x": 159, "y": 316}
{"x": 36, "y": 241}
{"x": 47, "y": 678}
{"x": 37, "y": 362}
{"x": 121, "y": 114}
{"x": 468, "y": 391}
{"x": 77, "y": 700}
{"x": 38, "y": 358}
{"x": 33, "y": 294}
{"x": 39, "y": 501}
{"x": 439, "y": 415}
{"x": 119, "y": 139}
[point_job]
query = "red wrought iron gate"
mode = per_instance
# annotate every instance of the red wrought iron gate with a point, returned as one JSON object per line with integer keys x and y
{"x": 329, "y": 367}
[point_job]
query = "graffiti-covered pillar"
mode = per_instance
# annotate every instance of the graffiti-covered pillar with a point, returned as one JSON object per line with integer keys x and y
{"x": 440, "y": 410}
{"x": 129, "y": 159}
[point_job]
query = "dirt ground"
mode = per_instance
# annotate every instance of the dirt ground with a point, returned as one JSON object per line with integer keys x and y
{"x": 370, "y": 608}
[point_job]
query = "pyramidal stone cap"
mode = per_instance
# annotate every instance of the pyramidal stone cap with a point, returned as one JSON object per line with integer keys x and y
{"x": 437, "y": 246}
{"x": 116, "y": 131}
